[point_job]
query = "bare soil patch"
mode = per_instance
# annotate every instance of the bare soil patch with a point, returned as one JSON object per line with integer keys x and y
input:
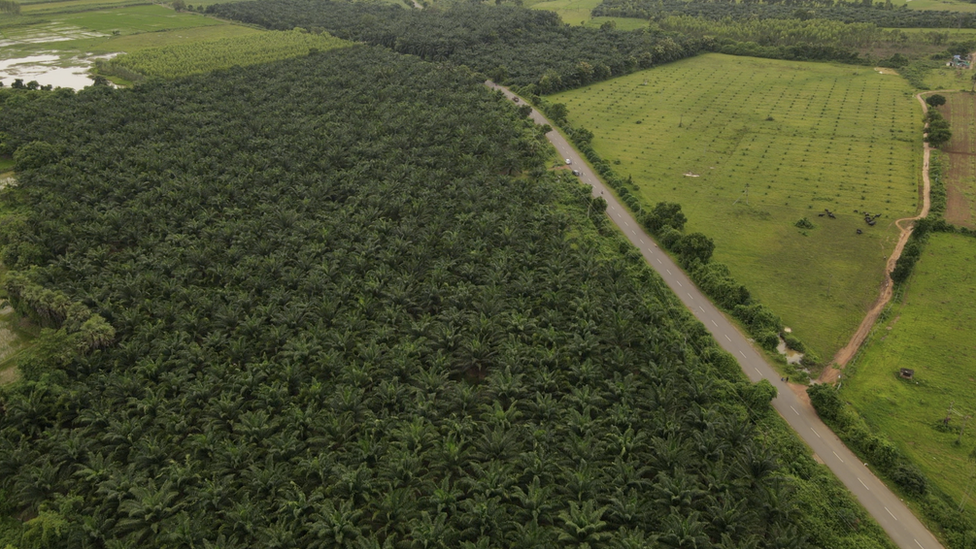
{"x": 960, "y": 111}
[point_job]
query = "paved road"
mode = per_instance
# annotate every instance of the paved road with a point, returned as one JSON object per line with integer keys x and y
{"x": 903, "y": 527}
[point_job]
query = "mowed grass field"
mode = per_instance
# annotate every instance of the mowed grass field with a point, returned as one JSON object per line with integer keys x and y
{"x": 960, "y": 110}
{"x": 801, "y": 137}
{"x": 933, "y": 331}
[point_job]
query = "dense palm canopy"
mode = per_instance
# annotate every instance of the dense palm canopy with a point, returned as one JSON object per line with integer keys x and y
{"x": 343, "y": 305}
{"x": 509, "y": 44}
{"x": 880, "y": 14}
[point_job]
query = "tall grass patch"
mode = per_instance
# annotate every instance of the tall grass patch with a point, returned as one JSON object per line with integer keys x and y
{"x": 933, "y": 332}
{"x": 749, "y": 146}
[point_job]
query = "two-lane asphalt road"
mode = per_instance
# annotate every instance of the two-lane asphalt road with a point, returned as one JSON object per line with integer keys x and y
{"x": 903, "y": 527}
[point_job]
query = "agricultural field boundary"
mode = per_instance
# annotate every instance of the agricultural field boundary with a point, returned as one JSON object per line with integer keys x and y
{"x": 874, "y": 496}
{"x": 843, "y": 356}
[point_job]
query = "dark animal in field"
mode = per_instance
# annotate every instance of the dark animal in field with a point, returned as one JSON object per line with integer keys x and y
{"x": 820, "y": 215}
{"x": 831, "y": 215}
{"x": 859, "y": 231}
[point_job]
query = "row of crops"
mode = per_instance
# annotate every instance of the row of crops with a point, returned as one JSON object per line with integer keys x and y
{"x": 198, "y": 57}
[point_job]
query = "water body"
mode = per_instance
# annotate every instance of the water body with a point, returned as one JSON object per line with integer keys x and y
{"x": 792, "y": 357}
{"x": 49, "y": 69}
{"x": 20, "y": 58}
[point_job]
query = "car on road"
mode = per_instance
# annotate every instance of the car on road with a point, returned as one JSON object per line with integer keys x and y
{"x": 577, "y": 173}
{"x": 568, "y": 162}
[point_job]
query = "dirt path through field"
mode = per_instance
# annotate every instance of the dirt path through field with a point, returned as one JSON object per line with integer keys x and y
{"x": 905, "y": 225}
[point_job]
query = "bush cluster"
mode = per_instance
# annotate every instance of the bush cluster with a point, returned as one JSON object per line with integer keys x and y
{"x": 937, "y": 132}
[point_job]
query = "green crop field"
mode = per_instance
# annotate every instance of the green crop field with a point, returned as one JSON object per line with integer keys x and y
{"x": 137, "y": 42}
{"x": 575, "y": 12}
{"x": 183, "y": 59}
{"x": 934, "y": 333}
{"x": 801, "y": 137}
{"x": 947, "y": 5}
{"x": 137, "y": 19}
{"x": 74, "y": 31}
{"x": 960, "y": 110}
{"x": 70, "y": 6}
{"x": 110, "y": 30}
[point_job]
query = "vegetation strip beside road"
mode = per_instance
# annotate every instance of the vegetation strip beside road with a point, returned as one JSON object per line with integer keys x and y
{"x": 884, "y": 506}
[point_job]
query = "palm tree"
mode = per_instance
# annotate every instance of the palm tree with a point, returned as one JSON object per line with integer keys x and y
{"x": 146, "y": 510}
{"x": 332, "y": 526}
{"x": 684, "y": 532}
{"x": 583, "y": 526}
{"x": 431, "y": 533}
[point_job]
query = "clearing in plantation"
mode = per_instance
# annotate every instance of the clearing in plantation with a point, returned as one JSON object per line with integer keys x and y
{"x": 749, "y": 148}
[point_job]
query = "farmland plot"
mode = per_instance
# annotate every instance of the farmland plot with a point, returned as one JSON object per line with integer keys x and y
{"x": 960, "y": 110}
{"x": 931, "y": 332}
{"x": 751, "y": 146}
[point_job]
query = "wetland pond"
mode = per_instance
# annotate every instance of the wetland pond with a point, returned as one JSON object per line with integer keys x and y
{"x": 23, "y": 56}
{"x": 48, "y": 69}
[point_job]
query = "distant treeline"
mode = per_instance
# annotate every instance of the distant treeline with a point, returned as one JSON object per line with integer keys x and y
{"x": 9, "y": 6}
{"x": 882, "y": 15}
{"x": 508, "y": 44}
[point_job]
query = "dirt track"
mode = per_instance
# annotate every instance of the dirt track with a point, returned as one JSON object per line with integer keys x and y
{"x": 905, "y": 225}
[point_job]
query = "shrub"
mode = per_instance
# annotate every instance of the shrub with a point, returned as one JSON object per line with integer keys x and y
{"x": 794, "y": 343}
{"x": 825, "y": 400}
{"x": 804, "y": 224}
{"x": 908, "y": 476}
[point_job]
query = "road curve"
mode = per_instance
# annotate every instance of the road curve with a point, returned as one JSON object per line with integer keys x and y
{"x": 901, "y": 525}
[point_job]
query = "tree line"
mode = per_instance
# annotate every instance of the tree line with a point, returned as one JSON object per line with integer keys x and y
{"x": 881, "y": 15}
{"x": 337, "y": 301}
{"x": 508, "y": 44}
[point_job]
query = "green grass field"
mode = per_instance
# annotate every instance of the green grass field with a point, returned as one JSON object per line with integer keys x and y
{"x": 801, "y": 137}
{"x": 77, "y": 29}
{"x": 110, "y": 30}
{"x": 137, "y": 42}
{"x": 933, "y": 331}
{"x": 576, "y": 12}
{"x": 945, "y": 5}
